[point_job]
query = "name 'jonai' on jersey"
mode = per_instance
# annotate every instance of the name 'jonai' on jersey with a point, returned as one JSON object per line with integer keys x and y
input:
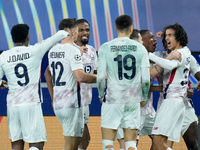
{"x": 19, "y": 57}
{"x": 123, "y": 48}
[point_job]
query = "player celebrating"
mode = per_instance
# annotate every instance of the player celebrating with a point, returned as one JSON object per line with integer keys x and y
{"x": 124, "y": 60}
{"x": 66, "y": 68}
{"x": 89, "y": 59}
{"x": 21, "y": 66}
{"x": 168, "y": 125}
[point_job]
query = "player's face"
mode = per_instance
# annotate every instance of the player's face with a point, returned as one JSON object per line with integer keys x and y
{"x": 149, "y": 41}
{"x": 170, "y": 39}
{"x": 83, "y": 33}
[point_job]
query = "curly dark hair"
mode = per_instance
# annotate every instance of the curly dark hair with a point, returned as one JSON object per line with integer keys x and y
{"x": 180, "y": 35}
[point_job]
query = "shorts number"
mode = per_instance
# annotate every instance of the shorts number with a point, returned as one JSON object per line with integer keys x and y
{"x": 125, "y": 64}
{"x": 24, "y": 74}
{"x": 57, "y": 81}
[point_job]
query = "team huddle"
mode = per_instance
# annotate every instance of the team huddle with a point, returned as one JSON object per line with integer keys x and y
{"x": 124, "y": 70}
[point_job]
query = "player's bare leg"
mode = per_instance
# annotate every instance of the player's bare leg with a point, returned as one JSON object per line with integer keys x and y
{"x": 130, "y": 135}
{"x": 108, "y": 135}
{"x": 17, "y": 145}
{"x": 71, "y": 143}
{"x": 85, "y": 140}
{"x": 191, "y": 137}
{"x": 159, "y": 142}
{"x": 121, "y": 143}
{"x": 170, "y": 143}
{"x": 39, "y": 145}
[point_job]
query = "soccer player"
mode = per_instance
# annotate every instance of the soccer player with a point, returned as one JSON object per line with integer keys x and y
{"x": 21, "y": 66}
{"x": 189, "y": 129}
{"x": 124, "y": 60}
{"x": 169, "y": 117}
{"x": 65, "y": 65}
{"x": 89, "y": 59}
{"x": 135, "y": 35}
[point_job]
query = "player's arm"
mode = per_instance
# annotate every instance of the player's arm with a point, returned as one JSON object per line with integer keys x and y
{"x": 164, "y": 63}
{"x": 195, "y": 70}
{"x": 48, "y": 78}
{"x": 101, "y": 72}
{"x": 145, "y": 76}
{"x": 45, "y": 45}
{"x": 157, "y": 69}
{"x": 154, "y": 88}
{"x": 81, "y": 76}
{"x": 3, "y": 84}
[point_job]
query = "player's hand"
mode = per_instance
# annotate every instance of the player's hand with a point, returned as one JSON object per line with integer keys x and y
{"x": 4, "y": 84}
{"x": 101, "y": 100}
{"x": 83, "y": 49}
{"x": 68, "y": 30}
{"x": 142, "y": 104}
{"x": 198, "y": 86}
{"x": 174, "y": 55}
{"x": 159, "y": 34}
{"x": 190, "y": 93}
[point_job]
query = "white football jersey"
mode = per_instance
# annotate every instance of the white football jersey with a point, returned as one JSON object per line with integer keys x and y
{"x": 126, "y": 64}
{"x": 21, "y": 66}
{"x": 175, "y": 80}
{"x": 89, "y": 60}
{"x": 63, "y": 60}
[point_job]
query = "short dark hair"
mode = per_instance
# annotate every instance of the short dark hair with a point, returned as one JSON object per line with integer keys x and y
{"x": 19, "y": 32}
{"x": 143, "y": 32}
{"x": 123, "y": 22}
{"x": 79, "y": 21}
{"x": 134, "y": 34}
{"x": 180, "y": 34}
{"x": 67, "y": 23}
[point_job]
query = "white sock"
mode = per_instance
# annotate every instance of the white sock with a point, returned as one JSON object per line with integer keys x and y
{"x": 130, "y": 144}
{"x": 33, "y": 148}
{"x": 169, "y": 148}
{"x": 121, "y": 149}
{"x": 80, "y": 149}
{"x": 107, "y": 142}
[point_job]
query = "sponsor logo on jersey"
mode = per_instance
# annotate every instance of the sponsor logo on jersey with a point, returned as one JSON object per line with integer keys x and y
{"x": 155, "y": 128}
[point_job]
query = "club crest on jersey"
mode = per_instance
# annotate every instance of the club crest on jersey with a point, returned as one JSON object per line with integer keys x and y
{"x": 92, "y": 56}
{"x": 77, "y": 57}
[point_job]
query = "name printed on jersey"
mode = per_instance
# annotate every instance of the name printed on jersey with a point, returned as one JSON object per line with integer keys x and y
{"x": 20, "y": 57}
{"x": 123, "y": 48}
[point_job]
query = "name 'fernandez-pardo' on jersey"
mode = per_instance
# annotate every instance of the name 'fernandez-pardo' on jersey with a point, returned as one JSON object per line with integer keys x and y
{"x": 123, "y": 48}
